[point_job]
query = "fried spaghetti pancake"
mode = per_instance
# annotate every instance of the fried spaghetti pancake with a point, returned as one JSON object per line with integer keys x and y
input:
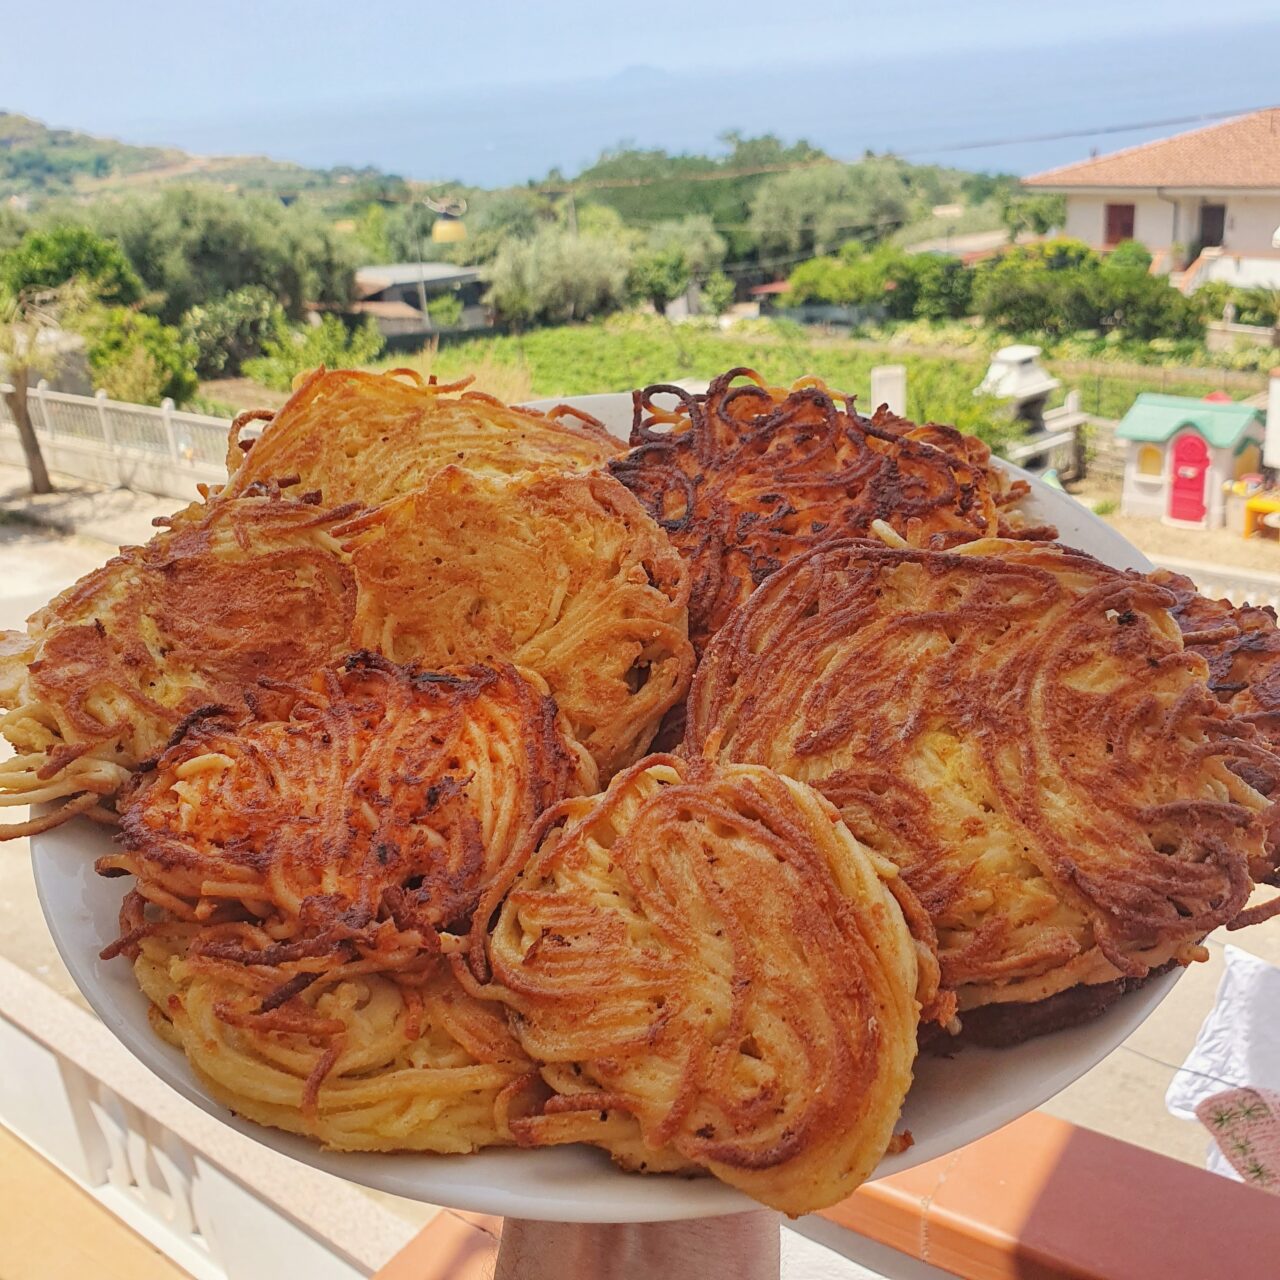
{"x": 1019, "y": 728}
{"x": 565, "y": 575}
{"x": 707, "y": 950}
{"x": 748, "y": 477}
{"x": 358, "y": 829}
{"x": 372, "y": 437}
{"x": 1241, "y": 644}
{"x": 363, "y": 1064}
{"x": 229, "y": 594}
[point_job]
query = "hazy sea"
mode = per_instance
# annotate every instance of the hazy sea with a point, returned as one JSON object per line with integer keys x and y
{"x": 931, "y": 108}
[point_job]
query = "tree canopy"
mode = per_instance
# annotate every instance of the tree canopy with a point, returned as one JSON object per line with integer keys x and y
{"x": 50, "y": 258}
{"x": 193, "y": 244}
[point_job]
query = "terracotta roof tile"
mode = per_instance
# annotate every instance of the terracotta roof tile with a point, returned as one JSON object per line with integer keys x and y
{"x": 1243, "y": 152}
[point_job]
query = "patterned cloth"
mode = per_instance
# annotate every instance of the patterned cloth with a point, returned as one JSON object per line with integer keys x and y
{"x": 1245, "y": 1123}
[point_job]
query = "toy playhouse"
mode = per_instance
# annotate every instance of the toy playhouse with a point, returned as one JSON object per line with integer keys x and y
{"x": 1181, "y": 454}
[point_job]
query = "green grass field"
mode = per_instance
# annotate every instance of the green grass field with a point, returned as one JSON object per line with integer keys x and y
{"x": 631, "y": 351}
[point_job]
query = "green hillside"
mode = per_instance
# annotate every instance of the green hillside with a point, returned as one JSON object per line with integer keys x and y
{"x": 39, "y": 163}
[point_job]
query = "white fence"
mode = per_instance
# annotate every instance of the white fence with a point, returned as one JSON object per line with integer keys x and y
{"x": 135, "y": 446}
{"x": 217, "y": 1203}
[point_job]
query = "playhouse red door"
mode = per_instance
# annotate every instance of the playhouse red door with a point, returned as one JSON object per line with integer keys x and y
{"x": 1190, "y": 474}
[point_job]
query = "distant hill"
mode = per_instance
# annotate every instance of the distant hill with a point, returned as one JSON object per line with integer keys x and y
{"x": 38, "y": 163}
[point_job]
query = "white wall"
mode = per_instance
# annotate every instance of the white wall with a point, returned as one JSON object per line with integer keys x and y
{"x": 1152, "y": 218}
{"x": 1084, "y": 219}
{"x": 1251, "y": 222}
{"x": 1240, "y": 272}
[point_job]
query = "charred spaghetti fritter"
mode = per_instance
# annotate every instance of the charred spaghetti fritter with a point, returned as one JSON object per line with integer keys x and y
{"x": 747, "y": 477}
{"x": 1020, "y": 729}
{"x": 1241, "y": 644}
{"x": 228, "y": 595}
{"x": 565, "y": 575}
{"x": 705, "y": 955}
{"x": 362, "y": 1064}
{"x": 373, "y": 436}
{"x": 358, "y": 828}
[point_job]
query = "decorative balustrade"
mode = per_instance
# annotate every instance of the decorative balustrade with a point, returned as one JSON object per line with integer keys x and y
{"x": 161, "y": 450}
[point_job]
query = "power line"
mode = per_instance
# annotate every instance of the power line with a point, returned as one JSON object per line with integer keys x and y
{"x": 716, "y": 175}
{"x": 1082, "y": 133}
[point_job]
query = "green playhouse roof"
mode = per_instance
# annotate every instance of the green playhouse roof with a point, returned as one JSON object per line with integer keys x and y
{"x": 1156, "y": 418}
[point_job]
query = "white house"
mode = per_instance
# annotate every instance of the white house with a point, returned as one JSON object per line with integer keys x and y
{"x": 1208, "y": 200}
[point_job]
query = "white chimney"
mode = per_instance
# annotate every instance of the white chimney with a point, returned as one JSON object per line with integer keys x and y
{"x": 1271, "y": 446}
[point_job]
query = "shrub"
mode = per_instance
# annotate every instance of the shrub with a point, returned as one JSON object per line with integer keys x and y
{"x": 1130, "y": 254}
{"x": 1142, "y": 306}
{"x": 232, "y": 329}
{"x": 828, "y": 280}
{"x": 329, "y": 343}
{"x": 1257, "y": 306}
{"x": 135, "y": 357}
{"x": 944, "y": 287}
{"x": 1062, "y": 287}
{"x": 445, "y": 310}
{"x": 717, "y": 293}
{"x": 1211, "y": 299}
{"x": 885, "y": 276}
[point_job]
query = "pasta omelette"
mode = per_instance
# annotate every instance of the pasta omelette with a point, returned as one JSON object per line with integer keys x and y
{"x": 358, "y": 828}
{"x": 373, "y": 436}
{"x": 563, "y": 574}
{"x": 1021, "y": 730}
{"x": 707, "y": 950}
{"x": 365, "y": 1064}
{"x": 229, "y": 594}
{"x": 748, "y": 477}
{"x": 1241, "y": 644}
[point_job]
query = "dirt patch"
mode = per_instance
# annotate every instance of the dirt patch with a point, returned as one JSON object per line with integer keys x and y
{"x": 242, "y": 393}
{"x": 1222, "y": 547}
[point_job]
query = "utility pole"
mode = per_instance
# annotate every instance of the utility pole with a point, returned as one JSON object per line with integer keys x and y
{"x": 422, "y": 271}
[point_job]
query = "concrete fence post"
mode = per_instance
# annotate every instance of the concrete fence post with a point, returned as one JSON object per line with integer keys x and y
{"x": 1079, "y": 463}
{"x": 166, "y": 415}
{"x": 889, "y": 387}
{"x": 109, "y": 435}
{"x": 42, "y": 388}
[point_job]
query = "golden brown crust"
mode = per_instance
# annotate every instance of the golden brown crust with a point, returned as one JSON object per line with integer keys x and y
{"x": 359, "y": 828}
{"x": 748, "y": 477}
{"x": 1019, "y": 728}
{"x": 1241, "y": 644}
{"x": 565, "y": 575}
{"x": 371, "y": 437}
{"x": 228, "y": 595}
{"x": 363, "y": 1063}
{"x": 706, "y": 949}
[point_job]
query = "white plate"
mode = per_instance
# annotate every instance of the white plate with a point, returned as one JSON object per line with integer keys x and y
{"x": 953, "y": 1101}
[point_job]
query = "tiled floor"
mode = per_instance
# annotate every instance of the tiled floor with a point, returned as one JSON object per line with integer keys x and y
{"x": 1123, "y": 1096}
{"x": 52, "y": 1230}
